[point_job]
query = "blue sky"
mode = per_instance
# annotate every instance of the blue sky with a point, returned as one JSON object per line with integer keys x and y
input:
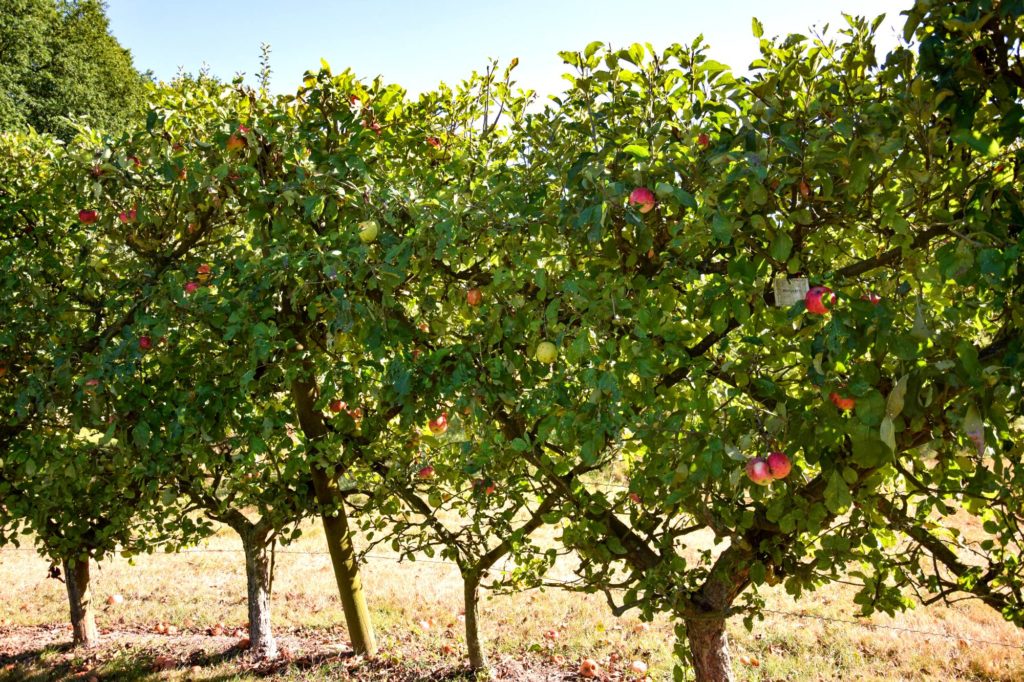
{"x": 418, "y": 44}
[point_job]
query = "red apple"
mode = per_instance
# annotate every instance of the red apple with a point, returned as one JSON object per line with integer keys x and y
{"x": 203, "y": 273}
{"x": 778, "y": 464}
{"x": 145, "y": 343}
{"x": 815, "y": 300}
{"x": 841, "y": 402}
{"x": 634, "y": 498}
{"x": 191, "y": 287}
{"x": 88, "y": 216}
{"x": 439, "y": 425}
{"x": 474, "y": 296}
{"x": 235, "y": 143}
{"x": 115, "y": 599}
{"x": 589, "y": 668}
{"x": 356, "y": 413}
{"x": 434, "y": 142}
{"x": 642, "y": 198}
{"x": 805, "y": 189}
{"x": 135, "y": 161}
{"x": 426, "y": 472}
{"x": 704, "y": 140}
{"x": 128, "y": 216}
{"x": 872, "y": 298}
{"x": 336, "y": 406}
{"x": 758, "y": 471}
{"x": 96, "y": 171}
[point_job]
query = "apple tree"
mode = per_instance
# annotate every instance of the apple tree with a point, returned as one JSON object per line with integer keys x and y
{"x": 892, "y": 394}
{"x": 74, "y": 295}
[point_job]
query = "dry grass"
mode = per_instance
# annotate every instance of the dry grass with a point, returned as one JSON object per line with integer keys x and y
{"x": 416, "y": 610}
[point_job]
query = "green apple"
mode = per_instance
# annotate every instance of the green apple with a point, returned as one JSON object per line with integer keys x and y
{"x": 546, "y": 352}
{"x": 368, "y": 231}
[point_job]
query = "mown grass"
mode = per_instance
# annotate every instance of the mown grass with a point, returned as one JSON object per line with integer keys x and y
{"x": 416, "y": 610}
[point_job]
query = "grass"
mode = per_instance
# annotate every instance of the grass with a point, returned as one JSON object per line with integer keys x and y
{"x": 416, "y": 610}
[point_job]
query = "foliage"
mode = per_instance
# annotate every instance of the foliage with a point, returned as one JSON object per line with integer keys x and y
{"x": 59, "y": 60}
{"x": 344, "y": 225}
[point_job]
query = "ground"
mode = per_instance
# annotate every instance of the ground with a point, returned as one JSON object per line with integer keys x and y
{"x": 416, "y": 609}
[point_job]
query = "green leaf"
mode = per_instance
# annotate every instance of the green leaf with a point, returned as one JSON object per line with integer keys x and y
{"x": 721, "y": 228}
{"x": 887, "y": 432}
{"x": 837, "y": 494}
{"x": 141, "y": 434}
{"x": 871, "y": 408}
{"x": 975, "y": 140}
{"x": 781, "y": 246}
{"x": 974, "y": 427}
{"x": 756, "y": 27}
{"x": 894, "y": 403}
{"x": 640, "y": 151}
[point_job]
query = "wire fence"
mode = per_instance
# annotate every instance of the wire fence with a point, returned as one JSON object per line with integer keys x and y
{"x": 787, "y": 614}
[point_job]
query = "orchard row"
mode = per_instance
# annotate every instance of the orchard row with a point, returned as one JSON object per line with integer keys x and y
{"x": 462, "y": 323}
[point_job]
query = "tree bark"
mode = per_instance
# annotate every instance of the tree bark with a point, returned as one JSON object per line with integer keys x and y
{"x": 474, "y": 643}
{"x": 257, "y": 578}
{"x": 83, "y": 619}
{"x": 709, "y": 648}
{"x": 335, "y": 522}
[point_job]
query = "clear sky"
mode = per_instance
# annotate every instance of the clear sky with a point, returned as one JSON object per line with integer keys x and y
{"x": 418, "y": 43}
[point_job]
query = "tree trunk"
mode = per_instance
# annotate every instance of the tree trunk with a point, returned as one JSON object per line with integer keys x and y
{"x": 335, "y": 521}
{"x": 346, "y": 568}
{"x": 705, "y": 632}
{"x": 83, "y": 620}
{"x": 257, "y": 578}
{"x": 709, "y": 647}
{"x": 475, "y": 645}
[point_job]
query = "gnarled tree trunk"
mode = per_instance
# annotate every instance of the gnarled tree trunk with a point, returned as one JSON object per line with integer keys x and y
{"x": 709, "y": 649}
{"x": 257, "y": 578}
{"x": 705, "y": 632}
{"x": 83, "y": 620}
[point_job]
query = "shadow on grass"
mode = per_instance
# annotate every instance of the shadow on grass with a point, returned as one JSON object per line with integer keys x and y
{"x": 125, "y": 665}
{"x": 130, "y": 665}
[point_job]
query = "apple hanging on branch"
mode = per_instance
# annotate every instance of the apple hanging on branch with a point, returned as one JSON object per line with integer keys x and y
{"x": 758, "y": 471}
{"x": 474, "y": 296}
{"x": 643, "y": 199}
{"x": 368, "y": 231}
{"x": 842, "y": 402}
{"x": 439, "y": 424}
{"x": 815, "y": 300}
{"x": 546, "y": 352}
{"x": 778, "y": 464}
